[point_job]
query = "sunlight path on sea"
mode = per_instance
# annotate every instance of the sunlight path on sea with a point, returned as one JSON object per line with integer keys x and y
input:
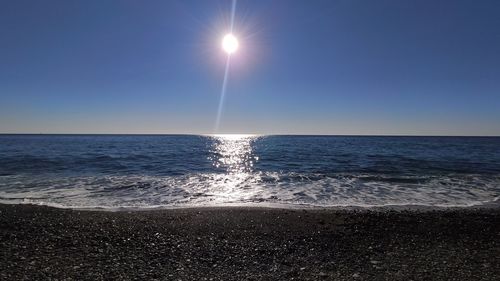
{"x": 234, "y": 154}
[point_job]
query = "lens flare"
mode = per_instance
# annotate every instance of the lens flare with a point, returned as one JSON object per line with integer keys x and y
{"x": 229, "y": 45}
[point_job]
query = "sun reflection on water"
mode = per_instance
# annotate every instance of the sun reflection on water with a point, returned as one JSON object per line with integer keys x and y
{"x": 234, "y": 155}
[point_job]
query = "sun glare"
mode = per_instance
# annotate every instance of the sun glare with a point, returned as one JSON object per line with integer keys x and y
{"x": 230, "y": 43}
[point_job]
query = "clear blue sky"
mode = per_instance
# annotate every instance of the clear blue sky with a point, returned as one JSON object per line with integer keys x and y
{"x": 304, "y": 67}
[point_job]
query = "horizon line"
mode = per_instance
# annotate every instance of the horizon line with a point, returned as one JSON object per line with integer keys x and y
{"x": 255, "y": 134}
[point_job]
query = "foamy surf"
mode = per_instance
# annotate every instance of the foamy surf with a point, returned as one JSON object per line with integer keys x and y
{"x": 259, "y": 189}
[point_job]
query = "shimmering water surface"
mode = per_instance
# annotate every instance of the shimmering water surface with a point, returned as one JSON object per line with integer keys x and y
{"x": 87, "y": 171}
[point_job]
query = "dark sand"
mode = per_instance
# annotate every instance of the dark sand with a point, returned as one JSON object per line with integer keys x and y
{"x": 39, "y": 243}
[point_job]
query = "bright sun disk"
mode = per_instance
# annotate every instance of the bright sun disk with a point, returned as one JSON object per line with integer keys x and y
{"x": 230, "y": 43}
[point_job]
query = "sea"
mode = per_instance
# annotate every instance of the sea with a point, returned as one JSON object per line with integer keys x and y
{"x": 177, "y": 171}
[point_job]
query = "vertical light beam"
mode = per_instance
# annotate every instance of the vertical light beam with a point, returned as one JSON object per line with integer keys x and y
{"x": 226, "y": 73}
{"x": 233, "y": 11}
{"x": 222, "y": 94}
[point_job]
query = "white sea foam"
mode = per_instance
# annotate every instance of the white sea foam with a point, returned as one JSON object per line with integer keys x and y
{"x": 286, "y": 189}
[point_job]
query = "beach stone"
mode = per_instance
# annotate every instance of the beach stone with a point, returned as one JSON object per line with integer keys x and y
{"x": 245, "y": 253}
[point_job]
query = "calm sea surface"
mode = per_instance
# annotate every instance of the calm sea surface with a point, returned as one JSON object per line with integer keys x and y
{"x": 180, "y": 171}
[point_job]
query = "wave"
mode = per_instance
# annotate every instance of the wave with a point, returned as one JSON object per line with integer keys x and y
{"x": 264, "y": 188}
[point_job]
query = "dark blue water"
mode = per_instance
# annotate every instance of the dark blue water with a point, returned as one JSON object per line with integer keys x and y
{"x": 170, "y": 171}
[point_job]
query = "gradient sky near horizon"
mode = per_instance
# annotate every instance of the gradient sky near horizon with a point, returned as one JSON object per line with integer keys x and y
{"x": 420, "y": 67}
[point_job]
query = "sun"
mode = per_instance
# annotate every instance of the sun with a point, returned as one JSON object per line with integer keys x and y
{"x": 230, "y": 43}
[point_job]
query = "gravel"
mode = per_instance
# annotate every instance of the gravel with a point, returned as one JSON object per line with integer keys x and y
{"x": 239, "y": 243}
